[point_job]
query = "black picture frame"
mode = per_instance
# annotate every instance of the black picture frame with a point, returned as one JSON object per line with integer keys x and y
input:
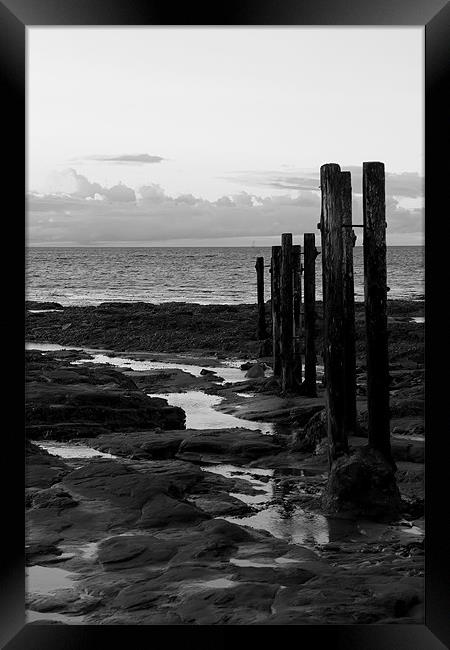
{"x": 434, "y": 15}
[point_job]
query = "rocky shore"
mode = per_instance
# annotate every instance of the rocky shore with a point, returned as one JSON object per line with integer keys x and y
{"x": 184, "y": 327}
{"x": 138, "y": 515}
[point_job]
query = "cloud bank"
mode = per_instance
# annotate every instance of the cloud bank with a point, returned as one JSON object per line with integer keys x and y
{"x": 86, "y": 213}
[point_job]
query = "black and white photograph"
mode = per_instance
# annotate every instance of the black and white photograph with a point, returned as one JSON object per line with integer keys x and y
{"x": 224, "y": 408}
{"x": 225, "y": 326}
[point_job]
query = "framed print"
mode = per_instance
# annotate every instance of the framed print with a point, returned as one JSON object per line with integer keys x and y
{"x": 233, "y": 417}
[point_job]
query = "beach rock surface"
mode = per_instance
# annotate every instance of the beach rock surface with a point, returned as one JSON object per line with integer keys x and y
{"x": 64, "y": 401}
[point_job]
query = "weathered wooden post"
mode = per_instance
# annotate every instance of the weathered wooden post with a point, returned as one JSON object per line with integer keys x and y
{"x": 297, "y": 303}
{"x": 333, "y": 316}
{"x": 261, "y": 330}
{"x": 309, "y": 263}
{"x": 286, "y": 314}
{"x": 348, "y": 241}
{"x": 375, "y": 293}
{"x": 275, "y": 271}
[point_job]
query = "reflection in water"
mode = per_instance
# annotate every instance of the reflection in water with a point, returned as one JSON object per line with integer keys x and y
{"x": 200, "y": 413}
{"x": 70, "y": 450}
{"x": 229, "y": 372}
{"x": 48, "y": 347}
{"x": 292, "y": 524}
{"x": 47, "y": 580}
{"x": 284, "y": 519}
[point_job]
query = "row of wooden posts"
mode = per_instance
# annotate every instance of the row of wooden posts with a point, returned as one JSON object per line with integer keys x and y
{"x": 290, "y": 330}
{"x": 288, "y": 327}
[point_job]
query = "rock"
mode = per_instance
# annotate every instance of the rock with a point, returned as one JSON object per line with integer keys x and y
{"x": 138, "y": 596}
{"x": 238, "y": 444}
{"x": 233, "y": 605}
{"x": 220, "y": 505}
{"x": 163, "y": 511}
{"x": 135, "y": 550}
{"x": 314, "y": 431}
{"x": 362, "y": 483}
{"x": 64, "y": 401}
{"x": 303, "y": 413}
{"x": 36, "y": 552}
{"x": 247, "y": 365}
{"x": 255, "y": 371}
{"x": 42, "y": 469}
{"x": 35, "y": 304}
{"x": 118, "y": 484}
{"x": 412, "y": 451}
{"x": 399, "y": 597}
{"x": 141, "y": 444}
{"x": 204, "y": 371}
{"x": 54, "y": 497}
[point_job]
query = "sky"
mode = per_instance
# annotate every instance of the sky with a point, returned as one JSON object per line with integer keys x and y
{"x": 215, "y": 136}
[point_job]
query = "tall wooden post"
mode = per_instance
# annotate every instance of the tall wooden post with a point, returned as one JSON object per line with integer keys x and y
{"x": 309, "y": 263}
{"x": 331, "y": 230}
{"x": 275, "y": 271}
{"x": 375, "y": 293}
{"x": 349, "y": 306}
{"x": 286, "y": 314}
{"x": 261, "y": 330}
{"x": 297, "y": 302}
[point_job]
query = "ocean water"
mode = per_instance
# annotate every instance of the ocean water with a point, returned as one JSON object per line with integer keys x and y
{"x": 89, "y": 276}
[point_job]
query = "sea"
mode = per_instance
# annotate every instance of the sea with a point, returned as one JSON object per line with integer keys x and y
{"x": 90, "y": 276}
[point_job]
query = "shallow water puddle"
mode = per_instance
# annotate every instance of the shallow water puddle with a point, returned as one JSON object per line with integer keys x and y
{"x": 48, "y": 347}
{"x": 265, "y": 488}
{"x": 217, "y": 583}
{"x": 43, "y": 311}
{"x": 408, "y": 436}
{"x": 200, "y": 412}
{"x": 229, "y": 372}
{"x": 32, "y": 616}
{"x": 47, "y": 580}
{"x": 291, "y": 524}
{"x": 273, "y": 563}
{"x": 418, "y": 319}
{"x": 296, "y": 527}
{"x": 70, "y": 450}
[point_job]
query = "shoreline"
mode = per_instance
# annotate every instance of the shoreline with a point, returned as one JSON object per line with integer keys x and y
{"x": 181, "y": 524}
{"x": 191, "y": 327}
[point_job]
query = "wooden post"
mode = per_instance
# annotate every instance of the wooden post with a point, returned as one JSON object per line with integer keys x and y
{"x": 331, "y": 230}
{"x": 309, "y": 263}
{"x": 297, "y": 302}
{"x": 349, "y": 306}
{"x": 261, "y": 330}
{"x": 286, "y": 314}
{"x": 375, "y": 293}
{"x": 275, "y": 300}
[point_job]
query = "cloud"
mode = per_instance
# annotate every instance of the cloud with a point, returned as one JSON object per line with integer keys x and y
{"x": 68, "y": 182}
{"x": 120, "y": 193}
{"x": 135, "y": 158}
{"x": 91, "y": 214}
{"x": 406, "y": 184}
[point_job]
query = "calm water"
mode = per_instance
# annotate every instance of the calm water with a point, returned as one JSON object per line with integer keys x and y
{"x": 87, "y": 276}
